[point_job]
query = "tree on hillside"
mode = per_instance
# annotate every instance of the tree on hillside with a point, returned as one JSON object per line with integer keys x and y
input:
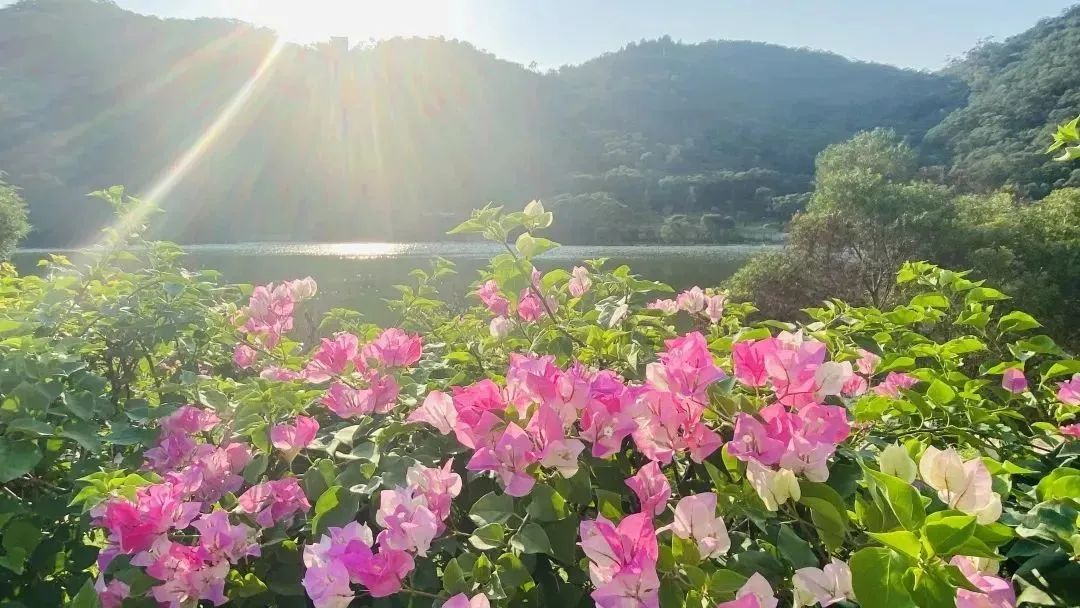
{"x": 13, "y": 224}
{"x": 866, "y": 217}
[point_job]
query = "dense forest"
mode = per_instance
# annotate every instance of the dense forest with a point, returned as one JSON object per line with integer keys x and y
{"x": 333, "y": 139}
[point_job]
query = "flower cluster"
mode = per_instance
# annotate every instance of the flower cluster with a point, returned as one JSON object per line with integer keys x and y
{"x": 694, "y": 301}
{"x": 195, "y": 475}
{"x": 269, "y": 314}
{"x": 411, "y": 517}
{"x": 796, "y": 433}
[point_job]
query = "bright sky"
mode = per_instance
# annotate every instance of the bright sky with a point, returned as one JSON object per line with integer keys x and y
{"x": 908, "y": 33}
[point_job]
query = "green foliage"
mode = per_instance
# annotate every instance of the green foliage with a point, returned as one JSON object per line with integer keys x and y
{"x": 13, "y": 224}
{"x": 93, "y": 354}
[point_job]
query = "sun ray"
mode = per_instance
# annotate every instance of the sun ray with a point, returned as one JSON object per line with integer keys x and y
{"x": 168, "y": 180}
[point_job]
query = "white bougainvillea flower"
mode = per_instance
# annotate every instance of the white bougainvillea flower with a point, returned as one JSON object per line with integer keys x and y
{"x": 695, "y": 517}
{"x": 964, "y": 486}
{"x": 825, "y": 586}
{"x": 894, "y": 460}
{"x": 774, "y": 487}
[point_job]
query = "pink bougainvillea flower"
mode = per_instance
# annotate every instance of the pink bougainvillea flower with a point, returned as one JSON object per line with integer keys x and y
{"x": 580, "y": 283}
{"x": 135, "y": 526}
{"x": 668, "y": 307}
{"x": 692, "y": 300}
{"x": 1069, "y": 391}
{"x": 113, "y": 594}
{"x": 659, "y": 421}
{"x": 1013, "y": 380}
{"x": 213, "y": 471}
{"x": 173, "y": 451}
{"x": 189, "y": 420}
{"x": 223, "y": 540}
{"x": 1070, "y": 430}
{"x": 867, "y": 362}
{"x": 714, "y": 308}
{"x": 855, "y": 386}
{"x": 807, "y": 458}
{"x": 629, "y": 590}
{"x": 332, "y": 358}
{"x": 477, "y": 404}
{"x": 686, "y": 368}
{"x": 994, "y": 591}
{"x": 700, "y": 440}
{"x": 791, "y": 362}
{"x": 269, "y": 313}
{"x": 189, "y": 573}
{"x": 562, "y": 455}
{"x": 695, "y": 518}
{"x": 629, "y": 547}
{"x": 508, "y": 459}
{"x": 394, "y": 348}
{"x": 438, "y": 486}
{"x": 492, "y": 299}
{"x": 385, "y": 571}
{"x": 825, "y": 423}
{"x": 291, "y": 438}
{"x": 529, "y": 307}
{"x": 651, "y": 487}
{"x": 273, "y": 501}
{"x": 328, "y": 585}
{"x": 409, "y": 524}
{"x": 244, "y": 356}
{"x": 746, "y": 601}
{"x": 605, "y": 429}
{"x": 894, "y": 382}
{"x": 752, "y": 441}
{"x": 826, "y": 586}
{"x": 463, "y": 601}
{"x": 748, "y": 359}
{"x": 349, "y": 402}
{"x": 437, "y": 410}
{"x": 964, "y": 486}
{"x": 760, "y": 589}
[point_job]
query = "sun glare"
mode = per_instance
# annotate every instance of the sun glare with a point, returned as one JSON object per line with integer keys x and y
{"x": 318, "y": 20}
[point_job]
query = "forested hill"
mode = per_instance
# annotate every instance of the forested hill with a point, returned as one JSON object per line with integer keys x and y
{"x": 1021, "y": 89}
{"x": 396, "y": 140}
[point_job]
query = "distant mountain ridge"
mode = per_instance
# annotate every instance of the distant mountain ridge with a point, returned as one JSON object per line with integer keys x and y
{"x": 398, "y": 140}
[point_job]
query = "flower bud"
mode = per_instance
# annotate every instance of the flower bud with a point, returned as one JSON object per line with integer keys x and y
{"x": 500, "y": 327}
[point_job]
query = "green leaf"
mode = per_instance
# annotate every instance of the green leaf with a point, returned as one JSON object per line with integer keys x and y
{"x": 512, "y": 573}
{"x": 453, "y": 578}
{"x": 685, "y": 551}
{"x": 947, "y": 533}
{"x": 84, "y": 433}
{"x": 905, "y": 503}
{"x": 531, "y": 538}
{"x": 984, "y": 294}
{"x": 795, "y": 549}
{"x": 17, "y": 458}
{"x": 488, "y": 537}
{"x": 940, "y": 392}
{"x": 20, "y": 538}
{"x": 336, "y": 507}
{"x": 930, "y": 586}
{"x": 546, "y": 504}
{"x": 930, "y": 300}
{"x": 901, "y": 540}
{"x": 492, "y": 508}
{"x": 725, "y": 582}
{"x": 877, "y": 577}
{"x": 530, "y": 246}
{"x": 30, "y": 426}
{"x": 244, "y": 585}
{"x": 1017, "y": 321}
{"x": 86, "y": 597}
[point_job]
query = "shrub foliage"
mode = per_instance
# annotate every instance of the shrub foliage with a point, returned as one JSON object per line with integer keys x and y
{"x": 568, "y": 438}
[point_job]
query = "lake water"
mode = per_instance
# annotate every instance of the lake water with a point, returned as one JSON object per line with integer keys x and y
{"x": 361, "y": 275}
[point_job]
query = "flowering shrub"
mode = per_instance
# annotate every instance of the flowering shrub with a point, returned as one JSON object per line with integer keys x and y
{"x": 564, "y": 439}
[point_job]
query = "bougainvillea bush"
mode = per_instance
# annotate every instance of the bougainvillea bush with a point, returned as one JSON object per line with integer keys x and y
{"x": 561, "y": 439}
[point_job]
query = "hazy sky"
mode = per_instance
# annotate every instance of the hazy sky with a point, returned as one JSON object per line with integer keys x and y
{"x": 909, "y": 33}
